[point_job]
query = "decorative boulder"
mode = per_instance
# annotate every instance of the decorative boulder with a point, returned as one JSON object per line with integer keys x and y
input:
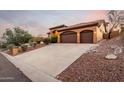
{"x": 111, "y": 56}
{"x": 118, "y": 50}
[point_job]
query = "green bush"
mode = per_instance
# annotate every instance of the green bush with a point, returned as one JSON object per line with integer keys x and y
{"x": 10, "y": 46}
{"x": 3, "y": 45}
{"x": 24, "y": 47}
{"x": 46, "y": 41}
{"x": 53, "y": 39}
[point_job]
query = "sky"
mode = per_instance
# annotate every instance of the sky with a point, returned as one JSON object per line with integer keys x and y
{"x": 38, "y": 22}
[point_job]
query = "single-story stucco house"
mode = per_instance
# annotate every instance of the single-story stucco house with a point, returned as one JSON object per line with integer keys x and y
{"x": 89, "y": 32}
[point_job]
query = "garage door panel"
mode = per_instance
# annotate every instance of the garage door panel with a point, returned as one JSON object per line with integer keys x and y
{"x": 86, "y": 37}
{"x": 68, "y": 37}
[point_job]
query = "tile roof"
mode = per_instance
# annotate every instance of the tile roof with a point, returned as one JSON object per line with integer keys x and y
{"x": 97, "y": 22}
{"x": 85, "y": 24}
{"x": 59, "y": 26}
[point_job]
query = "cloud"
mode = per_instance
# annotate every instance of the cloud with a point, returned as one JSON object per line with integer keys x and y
{"x": 39, "y": 22}
{"x": 24, "y": 19}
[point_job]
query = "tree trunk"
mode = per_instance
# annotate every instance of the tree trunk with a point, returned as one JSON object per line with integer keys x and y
{"x": 109, "y": 35}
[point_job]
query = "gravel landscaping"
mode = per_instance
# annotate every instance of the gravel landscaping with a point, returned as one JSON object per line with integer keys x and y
{"x": 9, "y": 73}
{"x": 93, "y": 67}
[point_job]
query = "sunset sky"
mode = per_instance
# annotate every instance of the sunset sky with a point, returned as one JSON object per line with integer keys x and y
{"x": 38, "y": 22}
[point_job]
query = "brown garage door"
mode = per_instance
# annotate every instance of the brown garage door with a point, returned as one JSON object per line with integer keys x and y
{"x": 68, "y": 37}
{"x": 86, "y": 36}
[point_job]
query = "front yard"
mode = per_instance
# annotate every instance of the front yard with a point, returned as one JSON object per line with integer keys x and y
{"x": 16, "y": 41}
{"x": 93, "y": 67}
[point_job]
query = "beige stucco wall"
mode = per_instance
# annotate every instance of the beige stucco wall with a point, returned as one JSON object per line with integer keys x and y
{"x": 100, "y": 30}
{"x": 97, "y": 33}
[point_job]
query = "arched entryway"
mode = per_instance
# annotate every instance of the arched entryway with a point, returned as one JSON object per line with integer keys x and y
{"x": 68, "y": 37}
{"x": 86, "y": 36}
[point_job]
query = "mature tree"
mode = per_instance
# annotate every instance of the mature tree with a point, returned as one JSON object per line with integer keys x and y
{"x": 115, "y": 17}
{"x": 16, "y": 36}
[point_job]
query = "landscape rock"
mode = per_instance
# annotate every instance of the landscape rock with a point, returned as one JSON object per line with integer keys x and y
{"x": 94, "y": 67}
{"x": 111, "y": 56}
{"x": 118, "y": 50}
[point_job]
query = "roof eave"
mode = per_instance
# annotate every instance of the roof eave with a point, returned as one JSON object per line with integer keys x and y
{"x": 78, "y": 27}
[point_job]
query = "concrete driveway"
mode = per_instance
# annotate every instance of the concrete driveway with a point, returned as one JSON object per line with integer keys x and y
{"x": 46, "y": 63}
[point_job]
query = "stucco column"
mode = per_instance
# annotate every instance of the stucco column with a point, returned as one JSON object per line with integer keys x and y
{"x": 94, "y": 37}
{"x": 58, "y": 38}
{"x": 78, "y": 37}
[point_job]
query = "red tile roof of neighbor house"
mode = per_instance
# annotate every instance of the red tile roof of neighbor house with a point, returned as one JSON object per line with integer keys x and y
{"x": 86, "y": 24}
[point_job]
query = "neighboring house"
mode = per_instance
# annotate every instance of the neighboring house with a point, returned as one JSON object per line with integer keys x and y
{"x": 90, "y": 32}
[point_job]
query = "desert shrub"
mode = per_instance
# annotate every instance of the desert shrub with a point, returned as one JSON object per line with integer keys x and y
{"x": 37, "y": 39}
{"x": 31, "y": 42}
{"x": 10, "y": 46}
{"x": 3, "y": 45}
{"x": 46, "y": 41}
{"x": 24, "y": 47}
{"x": 34, "y": 44}
{"x": 53, "y": 39}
